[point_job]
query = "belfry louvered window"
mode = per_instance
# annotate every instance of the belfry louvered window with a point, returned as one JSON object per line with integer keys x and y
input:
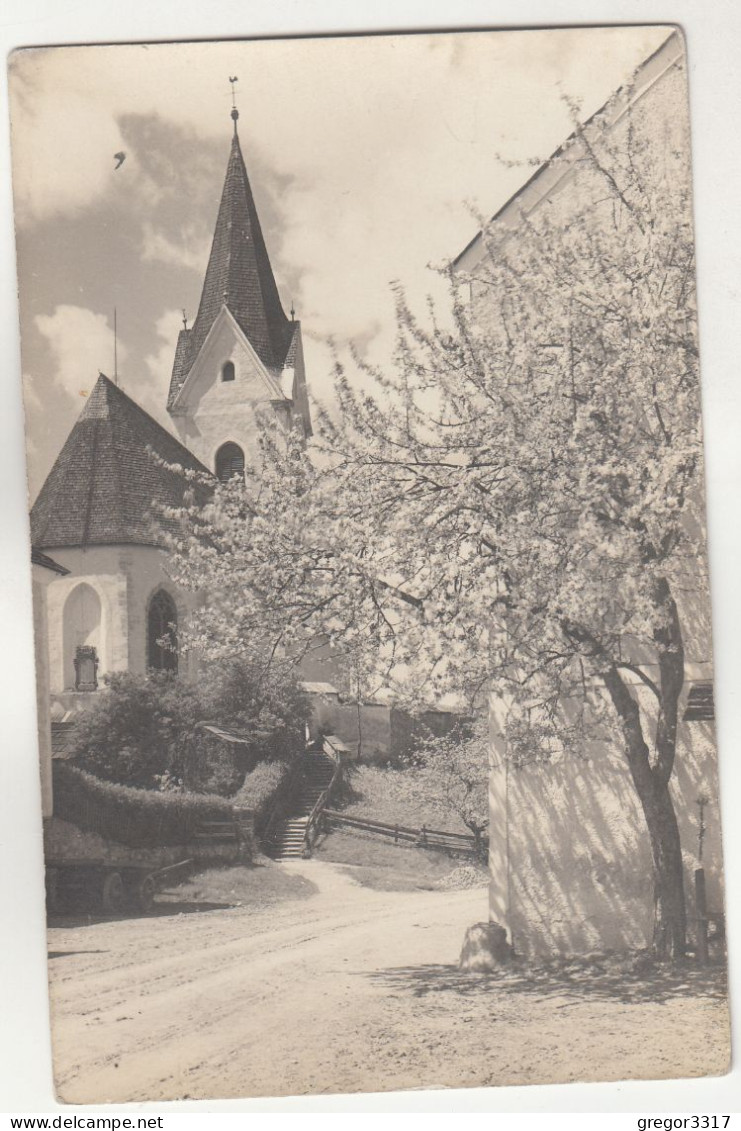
{"x": 229, "y": 462}
{"x": 227, "y": 371}
{"x": 162, "y": 625}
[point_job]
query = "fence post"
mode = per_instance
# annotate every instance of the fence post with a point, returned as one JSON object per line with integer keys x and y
{"x": 702, "y": 917}
{"x": 244, "y": 824}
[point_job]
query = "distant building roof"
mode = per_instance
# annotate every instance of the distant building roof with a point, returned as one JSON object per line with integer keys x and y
{"x": 228, "y": 734}
{"x": 39, "y": 559}
{"x": 61, "y": 733}
{"x": 108, "y": 481}
{"x": 239, "y": 276}
{"x": 316, "y": 687}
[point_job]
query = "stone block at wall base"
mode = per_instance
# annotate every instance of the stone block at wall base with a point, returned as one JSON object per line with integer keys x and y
{"x": 485, "y": 949}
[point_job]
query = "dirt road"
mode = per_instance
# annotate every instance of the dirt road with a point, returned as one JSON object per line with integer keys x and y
{"x": 350, "y": 990}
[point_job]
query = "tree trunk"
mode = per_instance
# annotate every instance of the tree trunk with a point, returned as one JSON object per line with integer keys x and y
{"x": 669, "y": 908}
{"x": 652, "y": 786}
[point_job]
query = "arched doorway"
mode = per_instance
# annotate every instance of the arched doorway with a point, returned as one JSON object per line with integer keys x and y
{"x": 162, "y": 629}
{"x": 229, "y": 461}
{"x": 81, "y": 634}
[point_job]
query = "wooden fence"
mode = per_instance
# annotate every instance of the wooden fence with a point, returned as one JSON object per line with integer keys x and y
{"x": 424, "y": 837}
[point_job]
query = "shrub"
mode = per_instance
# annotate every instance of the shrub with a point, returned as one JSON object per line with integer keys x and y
{"x": 144, "y": 731}
{"x": 137, "y": 729}
{"x": 263, "y": 788}
{"x": 139, "y": 818}
{"x": 268, "y": 705}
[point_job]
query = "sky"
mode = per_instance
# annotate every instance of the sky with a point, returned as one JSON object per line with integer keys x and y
{"x": 370, "y": 158}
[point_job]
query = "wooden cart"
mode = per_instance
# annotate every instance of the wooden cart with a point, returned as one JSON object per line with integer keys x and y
{"x": 110, "y": 887}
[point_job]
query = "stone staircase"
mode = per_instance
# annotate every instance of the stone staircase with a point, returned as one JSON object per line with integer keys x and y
{"x": 289, "y": 834}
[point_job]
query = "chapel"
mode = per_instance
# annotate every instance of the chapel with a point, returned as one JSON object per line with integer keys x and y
{"x": 101, "y": 513}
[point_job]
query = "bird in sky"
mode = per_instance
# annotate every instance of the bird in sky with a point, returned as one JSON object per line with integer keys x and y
{"x": 120, "y": 158}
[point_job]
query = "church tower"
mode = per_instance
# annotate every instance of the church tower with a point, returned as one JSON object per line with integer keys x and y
{"x": 242, "y": 353}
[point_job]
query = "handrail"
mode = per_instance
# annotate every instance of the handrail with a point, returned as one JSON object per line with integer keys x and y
{"x": 314, "y": 819}
{"x": 334, "y": 747}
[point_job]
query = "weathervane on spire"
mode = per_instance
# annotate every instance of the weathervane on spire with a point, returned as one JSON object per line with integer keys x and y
{"x": 235, "y": 111}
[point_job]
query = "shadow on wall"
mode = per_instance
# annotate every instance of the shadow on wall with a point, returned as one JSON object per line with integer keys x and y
{"x": 581, "y": 875}
{"x": 580, "y": 866}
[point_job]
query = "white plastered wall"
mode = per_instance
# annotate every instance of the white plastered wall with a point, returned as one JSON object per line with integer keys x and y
{"x": 124, "y": 578}
{"x": 209, "y": 411}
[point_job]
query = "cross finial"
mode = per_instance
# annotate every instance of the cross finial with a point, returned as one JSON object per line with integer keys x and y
{"x": 293, "y": 312}
{"x": 185, "y": 320}
{"x": 235, "y": 112}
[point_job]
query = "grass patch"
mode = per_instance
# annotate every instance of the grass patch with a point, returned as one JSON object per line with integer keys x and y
{"x": 255, "y": 886}
{"x": 385, "y": 867}
{"x": 388, "y": 795}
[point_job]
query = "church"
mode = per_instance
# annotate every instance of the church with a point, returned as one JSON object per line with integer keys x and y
{"x": 98, "y": 515}
{"x": 569, "y": 856}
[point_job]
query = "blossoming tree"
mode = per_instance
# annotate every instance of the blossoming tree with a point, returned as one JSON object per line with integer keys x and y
{"x": 514, "y": 506}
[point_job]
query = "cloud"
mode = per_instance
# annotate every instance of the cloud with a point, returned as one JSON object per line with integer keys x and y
{"x": 57, "y": 169}
{"x": 31, "y": 398}
{"x": 190, "y": 251}
{"x": 81, "y": 345}
{"x": 347, "y": 104}
{"x": 362, "y": 153}
{"x": 152, "y": 395}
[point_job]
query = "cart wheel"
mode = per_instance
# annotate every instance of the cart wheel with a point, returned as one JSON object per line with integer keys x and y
{"x": 113, "y": 892}
{"x": 145, "y": 893}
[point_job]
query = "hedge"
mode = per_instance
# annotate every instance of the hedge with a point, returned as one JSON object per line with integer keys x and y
{"x": 140, "y": 818}
{"x": 264, "y": 787}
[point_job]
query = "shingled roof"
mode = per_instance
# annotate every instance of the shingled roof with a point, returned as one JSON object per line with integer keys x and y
{"x": 238, "y": 275}
{"x": 107, "y": 482}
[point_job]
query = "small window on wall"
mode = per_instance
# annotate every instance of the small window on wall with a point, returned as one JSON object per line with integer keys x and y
{"x": 229, "y": 462}
{"x": 227, "y": 371}
{"x": 162, "y": 626}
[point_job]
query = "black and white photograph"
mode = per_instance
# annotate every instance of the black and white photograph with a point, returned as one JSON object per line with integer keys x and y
{"x": 371, "y": 591}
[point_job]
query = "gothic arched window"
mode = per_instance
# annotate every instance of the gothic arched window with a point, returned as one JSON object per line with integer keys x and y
{"x": 229, "y": 461}
{"x": 81, "y": 629}
{"x": 227, "y": 371}
{"x": 162, "y": 633}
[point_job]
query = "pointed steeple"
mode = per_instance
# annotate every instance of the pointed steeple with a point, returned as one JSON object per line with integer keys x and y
{"x": 239, "y": 276}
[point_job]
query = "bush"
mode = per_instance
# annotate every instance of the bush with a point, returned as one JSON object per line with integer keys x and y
{"x": 270, "y": 706}
{"x": 137, "y": 730}
{"x": 139, "y": 818}
{"x": 263, "y": 788}
{"x": 144, "y": 731}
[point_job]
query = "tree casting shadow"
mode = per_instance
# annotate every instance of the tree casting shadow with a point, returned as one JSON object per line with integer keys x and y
{"x": 607, "y": 980}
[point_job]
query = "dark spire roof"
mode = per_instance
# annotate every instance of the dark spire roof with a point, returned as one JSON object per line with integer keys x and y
{"x": 238, "y": 275}
{"x": 107, "y": 483}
